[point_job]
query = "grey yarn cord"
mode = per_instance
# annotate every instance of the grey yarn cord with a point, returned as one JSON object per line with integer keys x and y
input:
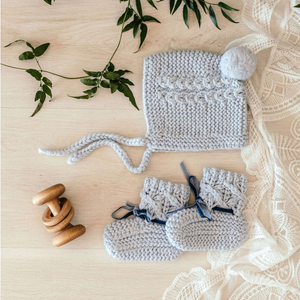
{"x": 193, "y": 101}
{"x": 187, "y": 231}
{"x": 137, "y": 239}
{"x": 88, "y": 144}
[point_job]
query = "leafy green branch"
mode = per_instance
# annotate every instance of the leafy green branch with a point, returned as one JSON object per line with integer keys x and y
{"x": 114, "y": 78}
{"x": 108, "y": 77}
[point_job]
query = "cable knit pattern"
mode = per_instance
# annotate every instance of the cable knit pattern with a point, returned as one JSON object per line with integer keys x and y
{"x": 136, "y": 239}
{"x": 224, "y": 188}
{"x": 189, "y": 105}
{"x": 160, "y": 197}
{"x": 187, "y": 231}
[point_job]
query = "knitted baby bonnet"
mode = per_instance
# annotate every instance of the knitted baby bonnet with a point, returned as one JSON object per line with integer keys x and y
{"x": 193, "y": 101}
{"x": 144, "y": 237}
{"x": 220, "y": 190}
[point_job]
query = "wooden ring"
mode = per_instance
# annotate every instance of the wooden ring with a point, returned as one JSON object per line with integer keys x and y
{"x": 48, "y": 194}
{"x": 63, "y": 224}
{"x": 48, "y": 218}
{"x": 68, "y": 235}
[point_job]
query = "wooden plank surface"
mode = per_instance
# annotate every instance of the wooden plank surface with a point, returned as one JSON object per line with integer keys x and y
{"x": 83, "y": 34}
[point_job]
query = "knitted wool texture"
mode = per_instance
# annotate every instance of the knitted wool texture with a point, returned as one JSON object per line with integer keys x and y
{"x": 187, "y": 231}
{"x": 189, "y": 105}
{"x": 136, "y": 239}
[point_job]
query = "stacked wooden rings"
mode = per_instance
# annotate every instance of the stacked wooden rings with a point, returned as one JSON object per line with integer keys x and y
{"x": 58, "y": 215}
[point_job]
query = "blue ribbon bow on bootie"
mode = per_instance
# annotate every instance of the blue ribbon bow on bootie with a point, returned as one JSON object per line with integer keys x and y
{"x": 199, "y": 202}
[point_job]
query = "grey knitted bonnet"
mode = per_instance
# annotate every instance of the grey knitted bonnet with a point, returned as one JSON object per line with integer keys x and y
{"x": 193, "y": 101}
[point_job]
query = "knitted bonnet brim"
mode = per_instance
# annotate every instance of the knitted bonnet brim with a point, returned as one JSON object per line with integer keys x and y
{"x": 193, "y": 101}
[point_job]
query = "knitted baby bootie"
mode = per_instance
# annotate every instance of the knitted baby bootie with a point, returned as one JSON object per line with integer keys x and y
{"x": 144, "y": 237}
{"x": 223, "y": 193}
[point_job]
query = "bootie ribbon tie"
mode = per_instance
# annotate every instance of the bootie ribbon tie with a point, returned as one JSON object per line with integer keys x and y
{"x": 199, "y": 202}
{"x": 135, "y": 211}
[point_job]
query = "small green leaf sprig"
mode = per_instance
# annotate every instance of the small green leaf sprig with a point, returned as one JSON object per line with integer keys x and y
{"x": 114, "y": 82}
{"x": 207, "y": 7}
{"x": 107, "y": 78}
{"x": 45, "y": 84}
{"x": 297, "y": 6}
{"x": 137, "y": 20}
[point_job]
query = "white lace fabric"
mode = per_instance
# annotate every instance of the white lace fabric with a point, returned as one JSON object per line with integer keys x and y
{"x": 267, "y": 265}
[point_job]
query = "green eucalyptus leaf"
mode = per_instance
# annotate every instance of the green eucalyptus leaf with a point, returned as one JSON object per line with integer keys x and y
{"x": 128, "y": 26}
{"x": 40, "y": 50}
{"x": 197, "y": 13}
{"x": 226, "y": 6}
{"x": 139, "y": 7}
{"x": 213, "y": 16}
{"x": 190, "y": 4}
{"x": 111, "y": 67}
{"x": 105, "y": 84}
{"x": 204, "y": 6}
{"x": 93, "y": 74}
{"x": 26, "y": 55}
{"x": 35, "y": 73}
{"x": 38, "y": 95}
{"x": 122, "y": 72}
{"x": 172, "y": 2}
{"x": 48, "y": 2}
{"x": 47, "y": 90}
{"x": 113, "y": 86}
{"x": 40, "y": 104}
{"x": 152, "y": 3}
{"x": 227, "y": 17}
{"x": 128, "y": 16}
{"x": 136, "y": 27}
{"x": 90, "y": 82}
{"x": 47, "y": 81}
{"x": 125, "y": 90}
{"x": 125, "y": 80}
{"x": 149, "y": 19}
{"x": 185, "y": 15}
{"x": 144, "y": 30}
{"x": 30, "y": 46}
{"x": 297, "y": 6}
{"x": 111, "y": 75}
{"x": 91, "y": 91}
{"x": 178, "y": 3}
{"x": 80, "y": 97}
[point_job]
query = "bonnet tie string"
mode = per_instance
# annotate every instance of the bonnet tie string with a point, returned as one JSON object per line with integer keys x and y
{"x": 91, "y": 142}
{"x": 139, "y": 213}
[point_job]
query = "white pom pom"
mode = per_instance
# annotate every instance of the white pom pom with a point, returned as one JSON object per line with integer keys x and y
{"x": 238, "y": 63}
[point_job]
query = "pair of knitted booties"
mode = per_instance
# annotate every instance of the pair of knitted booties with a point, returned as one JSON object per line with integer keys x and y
{"x": 164, "y": 225}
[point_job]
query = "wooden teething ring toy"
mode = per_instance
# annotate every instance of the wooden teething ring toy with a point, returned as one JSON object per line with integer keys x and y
{"x": 58, "y": 215}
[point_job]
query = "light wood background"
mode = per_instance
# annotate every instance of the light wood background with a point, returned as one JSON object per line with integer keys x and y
{"x": 83, "y": 34}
